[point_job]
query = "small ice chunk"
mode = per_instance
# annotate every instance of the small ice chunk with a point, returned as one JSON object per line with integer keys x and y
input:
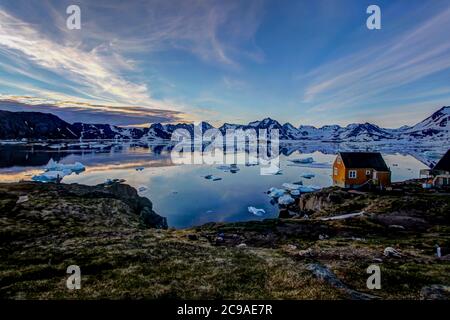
{"x": 142, "y": 188}
{"x": 256, "y": 211}
{"x": 309, "y": 188}
{"x": 139, "y": 168}
{"x": 291, "y": 186}
{"x": 285, "y": 200}
{"x": 50, "y": 176}
{"x": 304, "y": 160}
{"x": 212, "y": 177}
{"x": 271, "y": 171}
{"x": 295, "y": 193}
{"x": 276, "y": 193}
{"x": 233, "y": 168}
{"x": 308, "y": 176}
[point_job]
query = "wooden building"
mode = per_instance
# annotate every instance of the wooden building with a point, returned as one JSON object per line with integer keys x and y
{"x": 439, "y": 175}
{"x": 358, "y": 169}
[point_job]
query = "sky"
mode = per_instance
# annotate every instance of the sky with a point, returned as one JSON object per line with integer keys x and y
{"x": 304, "y": 62}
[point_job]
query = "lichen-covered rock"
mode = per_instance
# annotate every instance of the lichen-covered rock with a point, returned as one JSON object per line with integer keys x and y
{"x": 75, "y": 201}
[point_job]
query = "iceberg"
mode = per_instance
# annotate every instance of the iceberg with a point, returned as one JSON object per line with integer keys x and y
{"x": 291, "y": 186}
{"x": 51, "y": 176}
{"x": 285, "y": 200}
{"x": 256, "y": 211}
{"x": 55, "y": 166}
{"x": 271, "y": 171}
{"x": 276, "y": 193}
{"x": 305, "y": 189}
{"x": 295, "y": 193}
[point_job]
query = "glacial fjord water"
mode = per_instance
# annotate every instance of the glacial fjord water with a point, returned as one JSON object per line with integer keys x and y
{"x": 181, "y": 193}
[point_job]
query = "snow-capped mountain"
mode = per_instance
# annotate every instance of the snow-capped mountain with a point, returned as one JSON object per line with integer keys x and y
{"x": 34, "y": 125}
{"x": 436, "y": 125}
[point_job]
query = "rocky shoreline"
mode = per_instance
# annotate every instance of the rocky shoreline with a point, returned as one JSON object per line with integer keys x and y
{"x": 124, "y": 251}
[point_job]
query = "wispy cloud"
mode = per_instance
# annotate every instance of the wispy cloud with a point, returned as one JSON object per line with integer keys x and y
{"x": 75, "y": 111}
{"x": 357, "y": 79}
{"x": 100, "y": 64}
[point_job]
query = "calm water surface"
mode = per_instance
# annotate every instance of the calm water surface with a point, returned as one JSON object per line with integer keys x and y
{"x": 181, "y": 193}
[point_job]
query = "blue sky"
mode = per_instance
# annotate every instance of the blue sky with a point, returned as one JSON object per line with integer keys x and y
{"x": 304, "y": 62}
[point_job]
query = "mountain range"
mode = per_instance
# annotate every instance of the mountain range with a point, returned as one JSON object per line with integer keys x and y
{"x": 36, "y": 125}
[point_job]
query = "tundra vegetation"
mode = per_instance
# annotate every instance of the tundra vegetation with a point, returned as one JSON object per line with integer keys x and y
{"x": 110, "y": 233}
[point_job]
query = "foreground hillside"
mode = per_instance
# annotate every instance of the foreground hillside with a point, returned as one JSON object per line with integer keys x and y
{"x": 45, "y": 229}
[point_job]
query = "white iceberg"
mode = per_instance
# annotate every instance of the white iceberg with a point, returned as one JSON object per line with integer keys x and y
{"x": 276, "y": 193}
{"x": 305, "y": 189}
{"x": 271, "y": 171}
{"x": 256, "y": 211}
{"x": 51, "y": 176}
{"x": 285, "y": 200}
{"x": 55, "y": 166}
{"x": 291, "y": 186}
{"x": 295, "y": 193}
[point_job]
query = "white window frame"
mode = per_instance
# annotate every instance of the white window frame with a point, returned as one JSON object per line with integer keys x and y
{"x": 368, "y": 172}
{"x": 352, "y": 174}
{"x": 336, "y": 171}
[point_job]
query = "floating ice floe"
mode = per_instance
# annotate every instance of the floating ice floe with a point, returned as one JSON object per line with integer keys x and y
{"x": 285, "y": 200}
{"x": 276, "y": 193}
{"x": 256, "y": 211}
{"x": 142, "y": 188}
{"x": 139, "y": 168}
{"x": 233, "y": 168}
{"x": 291, "y": 186}
{"x": 55, "y": 166}
{"x": 305, "y": 189}
{"x": 271, "y": 171}
{"x": 303, "y": 161}
{"x": 111, "y": 181}
{"x": 51, "y": 176}
{"x": 212, "y": 177}
{"x": 295, "y": 193}
{"x": 308, "y": 176}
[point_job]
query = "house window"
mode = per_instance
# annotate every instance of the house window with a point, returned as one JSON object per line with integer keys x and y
{"x": 339, "y": 160}
{"x": 445, "y": 181}
{"x": 368, "y": 172}
{"x": 335, "y": 171}
{"x": 352, "y": 174}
